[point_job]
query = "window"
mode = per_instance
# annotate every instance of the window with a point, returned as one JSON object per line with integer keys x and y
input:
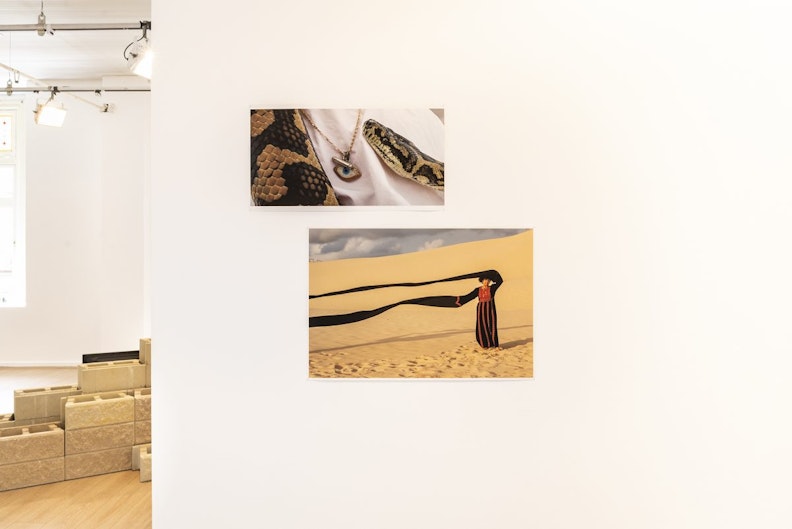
{"x": 12, "y": 206}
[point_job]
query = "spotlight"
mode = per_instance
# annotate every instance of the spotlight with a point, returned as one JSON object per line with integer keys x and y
{"x": 50, "y": 113}
{"x": 139, "y": 56}
{"x": 140, "y": 62}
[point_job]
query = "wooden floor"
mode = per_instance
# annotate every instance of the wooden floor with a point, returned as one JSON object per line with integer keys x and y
{"x": 111, "y": 501}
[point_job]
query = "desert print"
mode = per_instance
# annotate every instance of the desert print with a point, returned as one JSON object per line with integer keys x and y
{"x": 455, "y": 303}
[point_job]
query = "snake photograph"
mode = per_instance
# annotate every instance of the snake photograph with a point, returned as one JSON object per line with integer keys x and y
{"x": 286, "y": 167}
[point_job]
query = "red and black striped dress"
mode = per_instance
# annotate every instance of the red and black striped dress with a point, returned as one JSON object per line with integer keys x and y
{"x": 486, "y": 315}
{"x": 486, "y": 318}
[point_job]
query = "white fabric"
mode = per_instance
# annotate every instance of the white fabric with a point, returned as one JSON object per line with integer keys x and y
{"x": 378, "y": 185}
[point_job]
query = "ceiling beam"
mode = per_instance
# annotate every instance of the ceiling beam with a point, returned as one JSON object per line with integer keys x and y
{"x": 36, "y": 89}
{"x": 101, "y": 26}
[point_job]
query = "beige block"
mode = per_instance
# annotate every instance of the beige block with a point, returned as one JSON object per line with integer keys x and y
{"x": 145, "y": 465}
{"x": 64, "y": 400}
{"x": 145, "y": 350}
{"x": 136, "y": 451}
{"x": 100, "y": 438}
{"x": 143, "y": 404}
{"x": 100, "y": 462}
{"x": 142, "y": 432}
{"x": 41, "y": 402}
{"x": 111, "y": 376}
{"x": 41, "y": 420}
{"x": 31, "y": 473}
{"x": 29, "y": 443}
{"x": 145, "y": 358}
{"x": 7, "y": 420}
{"x": 86, "y": 411}
{"x": 32, "y": 422}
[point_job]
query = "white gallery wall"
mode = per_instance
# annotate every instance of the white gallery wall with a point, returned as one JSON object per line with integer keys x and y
{"x": 648, "y": 147}
{"x": 86, "y": 235}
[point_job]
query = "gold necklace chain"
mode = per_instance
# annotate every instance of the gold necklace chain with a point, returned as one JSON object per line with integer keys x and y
{"x": 322, "y": 134}
{"x": 344, "y": 168}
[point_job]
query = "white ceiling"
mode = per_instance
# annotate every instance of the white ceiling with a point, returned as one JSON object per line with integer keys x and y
{"x": 72, "y": 56}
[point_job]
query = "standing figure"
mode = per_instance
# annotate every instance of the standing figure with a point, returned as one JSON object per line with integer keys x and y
{"x": 486, "y": 315}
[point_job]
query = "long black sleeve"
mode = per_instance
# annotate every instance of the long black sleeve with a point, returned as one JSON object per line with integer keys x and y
{"x": 498, "y": 280}
{"x": 432, "y": 301}
{"x": 340, "y": 319}
{"x": 467, "y": 297}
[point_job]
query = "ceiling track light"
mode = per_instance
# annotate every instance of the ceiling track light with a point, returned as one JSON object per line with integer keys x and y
{"x": 52, "y": 28}
{"x": 42, "y": 28}
{"x": 50, "y": 113}
{"x": 138, "y": 53}
{"x": 103, "y": 107}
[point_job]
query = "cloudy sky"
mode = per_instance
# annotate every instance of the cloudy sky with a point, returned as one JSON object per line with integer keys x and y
{"x": 329, "y": 245}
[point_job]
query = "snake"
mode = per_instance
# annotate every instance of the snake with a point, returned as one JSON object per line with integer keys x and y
{"x": 401, "y": 155}
{"x": 285, "y": 170}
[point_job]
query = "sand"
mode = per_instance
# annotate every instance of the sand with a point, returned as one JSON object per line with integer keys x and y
{"x": 424, "y": 342}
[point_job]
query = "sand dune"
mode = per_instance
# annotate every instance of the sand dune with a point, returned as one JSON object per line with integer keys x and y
{"x": 424, "y": 342}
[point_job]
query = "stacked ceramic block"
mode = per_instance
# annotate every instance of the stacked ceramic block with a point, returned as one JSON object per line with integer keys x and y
{"x": 100, "y": 433}
{"x": 40, "y": 405}
{"x": 145, "y": 358}
{"x": 101, "y": 425}
{"x": 142, "y": 416}
{"x": 141, "y": 460}
{"x": 111, "y": 376}
{"x": 31, "y": 455}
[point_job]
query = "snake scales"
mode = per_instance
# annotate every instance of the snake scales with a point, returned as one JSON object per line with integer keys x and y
{"x": 285, "y": 170}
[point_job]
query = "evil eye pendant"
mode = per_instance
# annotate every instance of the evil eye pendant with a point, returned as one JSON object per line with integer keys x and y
{"x": 344, "y": 169}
